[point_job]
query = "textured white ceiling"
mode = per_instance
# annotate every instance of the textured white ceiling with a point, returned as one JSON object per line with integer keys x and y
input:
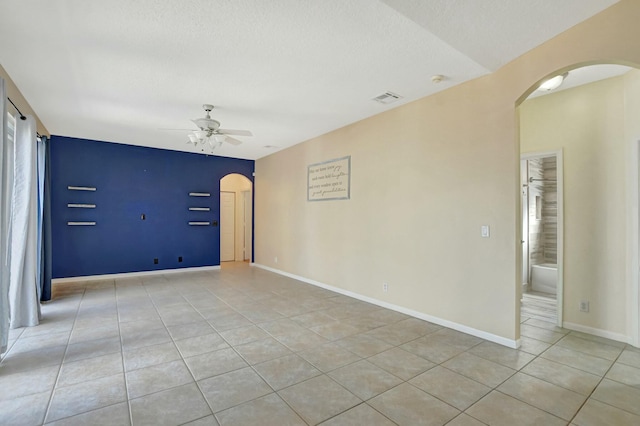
{"x": 288, "y": 70}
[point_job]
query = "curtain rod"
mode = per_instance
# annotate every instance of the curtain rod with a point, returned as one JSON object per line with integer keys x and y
{"x": 22, "y": 116}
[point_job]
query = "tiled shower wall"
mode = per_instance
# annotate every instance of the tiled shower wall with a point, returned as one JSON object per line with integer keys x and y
{"x": 543, "y": 211}
{"x": 550, "y": 210}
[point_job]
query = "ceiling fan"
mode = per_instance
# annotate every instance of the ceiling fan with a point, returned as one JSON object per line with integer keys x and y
{"x": 209, "y": 132}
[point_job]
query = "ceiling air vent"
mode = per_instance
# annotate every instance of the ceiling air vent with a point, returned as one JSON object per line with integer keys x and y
{"x": 387, "y": 98}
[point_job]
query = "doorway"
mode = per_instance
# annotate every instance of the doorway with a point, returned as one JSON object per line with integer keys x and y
{"x": 595, "y": 124}
{"x": 542, "y": 231}
{"x": 236, "y": 218}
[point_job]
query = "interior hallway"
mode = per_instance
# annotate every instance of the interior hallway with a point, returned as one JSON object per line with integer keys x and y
{"x": 245, "y": 346}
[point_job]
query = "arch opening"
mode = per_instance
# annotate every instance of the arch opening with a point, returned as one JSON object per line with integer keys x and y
{"x": 236, "y": 219}
{"x": 589, "y": 121}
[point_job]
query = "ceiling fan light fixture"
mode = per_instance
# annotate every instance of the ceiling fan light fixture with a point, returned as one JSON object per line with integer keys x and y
{"x": 200, "y": 134}
{"x": 219, "y": 137}
{"x": 553, "y": 83}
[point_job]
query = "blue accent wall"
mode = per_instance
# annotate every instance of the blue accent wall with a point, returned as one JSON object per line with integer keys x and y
{"x": 132, "y": 181}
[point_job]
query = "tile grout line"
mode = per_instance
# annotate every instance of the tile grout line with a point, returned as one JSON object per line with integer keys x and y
{"x": 55, "y": 384}
{"x": 404, "y": 381}
{"x": 588, "y": 397}
{"x": 438, "y": 364}
{"x": 363, "y": 401}
{"x": 230, "y": 346}
{"x": 263, "y": 379}
{"x": 124, "y": 369}
{"x": 596, "y": 388}
{"x": 247, "y": 362}
{"x": 520, "y": 371}
{"x": 83, "y": 359}
{"x": 182, "y": 357}
{"x": 323, "y": 373}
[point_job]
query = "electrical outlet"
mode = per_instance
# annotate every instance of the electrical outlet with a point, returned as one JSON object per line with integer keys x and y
{"x": 584, "y": 306}
{"x": 385, "y": 287}
{"x": 275, "y": 259}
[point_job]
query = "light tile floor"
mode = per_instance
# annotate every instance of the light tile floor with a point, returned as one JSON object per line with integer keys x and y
{"x": 244, "y": 346}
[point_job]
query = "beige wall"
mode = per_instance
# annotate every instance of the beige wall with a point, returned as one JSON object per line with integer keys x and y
{"x": 238, "y": 184}
{"x": 20, "y": 101}
{"x": 425, "y": 177}
{"x": 588, "y": 124}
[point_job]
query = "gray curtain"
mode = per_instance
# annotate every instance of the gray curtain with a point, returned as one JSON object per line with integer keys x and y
{"x": 44, "y": 220}
{"x": 4, "y": 221}
{"x": 24, "y": 288}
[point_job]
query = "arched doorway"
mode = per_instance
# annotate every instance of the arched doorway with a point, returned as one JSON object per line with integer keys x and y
{"x": 236, "y": 218}
{"x": 593, "y": 127}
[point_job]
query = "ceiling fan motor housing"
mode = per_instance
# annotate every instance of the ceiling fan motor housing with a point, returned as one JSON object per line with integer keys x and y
{"x": 207, "y": 123}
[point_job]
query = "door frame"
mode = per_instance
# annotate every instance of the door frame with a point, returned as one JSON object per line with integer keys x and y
{"x": 524, "y": 223}
{"x": 234, "y": 225}
{"x": 560, "y": 236}
{"x": 247, "y": 221}
{"x": 633, "y": 244}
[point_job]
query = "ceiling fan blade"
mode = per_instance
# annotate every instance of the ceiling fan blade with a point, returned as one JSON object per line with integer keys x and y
{"x": 233, "y": 141}
{"x": 235, "y": 132}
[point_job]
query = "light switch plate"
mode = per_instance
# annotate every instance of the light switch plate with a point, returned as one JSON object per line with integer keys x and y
{"x": 484, "y": 231}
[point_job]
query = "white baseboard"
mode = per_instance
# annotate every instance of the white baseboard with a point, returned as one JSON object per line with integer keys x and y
{"x": 133, "y": 274}
{"x": 514, "y": 344}
{"x": 597, "y": 332}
